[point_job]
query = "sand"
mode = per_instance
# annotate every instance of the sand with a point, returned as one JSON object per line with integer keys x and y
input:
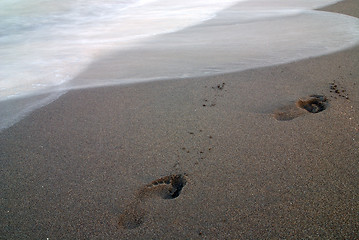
{"x": 192, "y": 158}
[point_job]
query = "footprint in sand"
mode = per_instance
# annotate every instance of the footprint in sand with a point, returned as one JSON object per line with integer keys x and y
{"x": 168, "y": 187}
{"x": 311, "y": 104}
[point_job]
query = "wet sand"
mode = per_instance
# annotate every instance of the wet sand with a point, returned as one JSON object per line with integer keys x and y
{"x": 192, "y": 158}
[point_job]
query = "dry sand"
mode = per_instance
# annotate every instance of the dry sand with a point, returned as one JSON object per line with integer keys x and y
{"x": 77, "y": 167}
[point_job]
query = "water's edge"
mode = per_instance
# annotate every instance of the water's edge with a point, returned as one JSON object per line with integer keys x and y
{"x": 12, "y": 111}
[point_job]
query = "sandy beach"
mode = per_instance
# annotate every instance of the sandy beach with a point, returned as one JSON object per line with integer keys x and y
{"x": 192, "y": 158}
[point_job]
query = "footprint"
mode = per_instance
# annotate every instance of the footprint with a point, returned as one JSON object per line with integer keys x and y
{"x": 168, "y": 187}
{"x": 311, "y": 104}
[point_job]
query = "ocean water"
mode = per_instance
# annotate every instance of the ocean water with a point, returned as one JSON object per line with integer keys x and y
{"x": 46, "y": 44}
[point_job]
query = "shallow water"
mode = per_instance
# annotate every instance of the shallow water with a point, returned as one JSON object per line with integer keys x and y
{"x": 45, "y": 43}
{"x": 44, "y": 51}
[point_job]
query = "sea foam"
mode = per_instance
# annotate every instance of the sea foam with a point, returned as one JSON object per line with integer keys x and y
{"x": 44, "y": 44}
{"x": 120, "y": 42}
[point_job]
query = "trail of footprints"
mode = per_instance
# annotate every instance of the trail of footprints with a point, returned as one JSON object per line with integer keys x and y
{"x": 168, "y": 187}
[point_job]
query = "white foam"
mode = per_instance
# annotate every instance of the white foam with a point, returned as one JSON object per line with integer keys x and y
{"x": 151, "y": 40}
{"x": 39, "y": 50}
{"x": 229, "y": 42}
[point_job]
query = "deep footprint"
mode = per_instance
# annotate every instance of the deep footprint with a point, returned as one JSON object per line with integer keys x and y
{"x": 311, "y": 104}
{"x": 168, "y": 187}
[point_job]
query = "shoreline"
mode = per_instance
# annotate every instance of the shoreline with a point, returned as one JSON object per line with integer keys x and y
{"x": 114, "y": 67}
{"x": 94, "y": 157}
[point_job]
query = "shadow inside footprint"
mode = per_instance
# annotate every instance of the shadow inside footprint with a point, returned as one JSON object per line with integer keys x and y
{"x": 311, "y": 104}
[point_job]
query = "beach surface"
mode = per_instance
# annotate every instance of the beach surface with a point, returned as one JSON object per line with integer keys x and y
{"x": 231, "y": 156}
